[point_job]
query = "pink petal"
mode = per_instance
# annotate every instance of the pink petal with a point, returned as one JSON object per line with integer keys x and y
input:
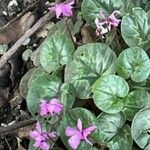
{"x": 53, "y": 135}
{"x": 37, "y": 144}
{"x": 45, "y": 136}
{"x": 71, "y": 131}
{"x": 74, "y": 141}
{"x": 38, "y": 127}
{"x": 51, "y": 109}
{"x": 54, "y": 101}
{"x": 57, "y": 110}
{"x": 63, "y": 8}
{"x": 96, "y": 22}
{"x": 54, "y": 107}
{"x": 34, "y": 134}
{"x": 44, "y": 146}
{"x": 103, "y": 30}
{"x": 87, "y": 132}
{"x": 67, "y": 11}
{"x": 79, "y": 124}
{"x": 109, "y": 26}
{"x": 41, "y": 138}
{"x": 114, "y": 21}
{"x": 43, "y": 108}
{"x": 68, "y": 8}
{"x": 58, "y": 9}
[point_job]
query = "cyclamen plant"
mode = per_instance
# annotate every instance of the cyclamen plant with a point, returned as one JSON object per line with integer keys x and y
{"x": 90, "y": 85}
{"x": 42, "y": 137}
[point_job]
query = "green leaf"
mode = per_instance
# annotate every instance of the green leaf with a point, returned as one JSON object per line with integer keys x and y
{"x": 49, "y": 86}
{"x": 67, "y": 95}
{"x": 23, "y": 86}
{"x": 91, "y": 8}
{"x": 147, "y": 6}
{"x": 140, "y": 128}
{"x": 44, "y": 86}
{"x": 27, "y": 54}
{"x": 89, "y": 63}
{"x": 59, "y": 72}
{"x": 56, "y": 50}
{"x": 36, "y": 73}
{"x": 35, "y": 57}
{"x": 144, "y": 4}
{"x": 84, "y": 146}
{"x": 79, "y": 23}
{"x": 113, "y": 133}
{"x": 71, "y": 118}
{"x": 135, "y": 63}
{"x": 109, "y": 125}
{"x": 123, "y": 140}
{"x": 27, "y": 80}
{"x": 134, "y": 102}
{"x": 135, "y": 28}
{"x": 3, "y": 48}
{"x": 31, "y": 147}
{"x": 108, "y": 93}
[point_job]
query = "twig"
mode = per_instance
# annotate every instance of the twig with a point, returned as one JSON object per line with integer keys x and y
{"x": 8, "y": 144}
{"x": 5, "y": 130}
{"x": 22, "y": 13}
{"x": 31, "y": 31}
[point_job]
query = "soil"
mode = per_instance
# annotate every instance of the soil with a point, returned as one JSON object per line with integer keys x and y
{"x": 12, "y": 105}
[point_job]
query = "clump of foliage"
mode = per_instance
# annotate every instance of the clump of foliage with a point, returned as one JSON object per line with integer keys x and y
{"x": 101, "y": 88}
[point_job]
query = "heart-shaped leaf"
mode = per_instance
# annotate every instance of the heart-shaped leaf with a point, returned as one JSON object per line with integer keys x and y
{"x": 140, "y": 128}
{"x": 89, "y": 63}
{"x": 109, "y": 125}
{"x": 135, "y": 28}
{"x": 71, "y": 118}
{"x": 44, "y": 86}
{"x": 134, "y": 102}
{"x": 23, "y": 86}
{"x": 108, "y": 93}
{"x": 113, "y": 133}
{"x": 31, "y": 147}
{"x": 135, "y": 63}
{"x": 28, "y": 78}
{"x": 144, "y": 4}
{"x": 56, "y": 50}
{"x": 49, "y": 86}
{"x": 123, "y": 140}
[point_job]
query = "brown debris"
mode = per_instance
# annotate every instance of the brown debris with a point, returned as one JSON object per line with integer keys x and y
{"x": 13, "y": 30}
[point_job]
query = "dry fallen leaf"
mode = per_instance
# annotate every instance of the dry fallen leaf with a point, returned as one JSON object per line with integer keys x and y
{"x": 44, "y": 30}
{"x": 13, "y": 30}
{"x": 24, "y": 132}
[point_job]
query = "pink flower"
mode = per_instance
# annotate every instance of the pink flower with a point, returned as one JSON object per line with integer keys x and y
{"x": 113, "y": 20}
{"x": 41, "y": 137}
{"x": 78, "y": 134}
{"x": 52, "y": 107}
{"x": 106, "y": 24}
{"x": 63, "y": 8}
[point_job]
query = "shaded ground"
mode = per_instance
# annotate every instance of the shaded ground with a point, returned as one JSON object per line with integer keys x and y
{"x": 12, "y": 105}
